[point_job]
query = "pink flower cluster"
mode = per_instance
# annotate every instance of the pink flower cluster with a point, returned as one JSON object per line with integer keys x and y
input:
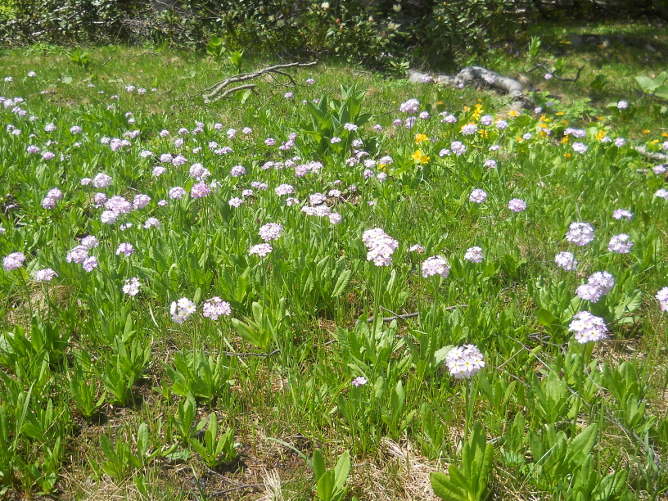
{"x": 380, "y": 246}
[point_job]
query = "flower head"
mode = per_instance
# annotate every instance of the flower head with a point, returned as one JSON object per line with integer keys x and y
{"x": 478, "y": 196}
{"x": 587, "y": 327}
{"x": 662, "y": 297}
{"x": 45, "y": 275}
{"x": 182, "y": 309}
{"x": 464, "y": 361}
{"x": 621, "y": 244}
{"x": 126, "y": 249}
{"x": 411, "y": 106}
{"x": 580, "y": 234}
{"x": 261, "y": 250}
{"x": 131, "y": 287}
{"x": 435, "y": 265}
{"x": 216, "y": 307}
{"x": 270, "y": 231}
{"x": 13, "y": 261}
{"x": 380, "y": 246}
{"x": 517, "y": 205}
{"x": 566, "y": 260}
{"x": 474, "y": 255}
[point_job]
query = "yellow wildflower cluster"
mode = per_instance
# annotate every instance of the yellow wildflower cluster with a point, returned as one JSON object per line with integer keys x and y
{"x": 421, "y": 137}
{"x": 420, "y": 157}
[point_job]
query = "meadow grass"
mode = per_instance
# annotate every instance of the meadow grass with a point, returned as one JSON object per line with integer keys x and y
{"x": 109, "y": 395}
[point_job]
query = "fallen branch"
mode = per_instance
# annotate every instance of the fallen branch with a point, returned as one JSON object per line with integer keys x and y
{"x": 471, "y": 75}
{"x": 477, "y": 75}
{"x": 396, "y": 316}
{"x": 213, "y": 93}
{"x": 653, "y": 155}
{"x": 554, "y": 73}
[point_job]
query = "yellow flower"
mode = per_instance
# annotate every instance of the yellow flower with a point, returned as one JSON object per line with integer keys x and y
{"x": 655, "y": 141}
{"x": 664, "y": 134}
{"x": 420, "y": 157}
{"x": 646, "y": 131}
{"x": 439, "y": 102}
{"x": 560, "y": 113}
{"x": 565, "y": 140}
{"x": 601, "y": 134}
{"x": 567, "y": 155}
{"x": 565, "y": 122}
{"x": 512, "y": 113}
{"x": 466, "y": 108}
{"x": 420, "y": 137}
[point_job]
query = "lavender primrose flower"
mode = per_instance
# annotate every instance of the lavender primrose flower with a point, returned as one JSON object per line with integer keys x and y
{"x": 587, "y": 327}
{"x": 580, "y": 234}
{"x": 411, "y": 106}
{"x": 200, "y": 190}
{"x": 45, "y": 275}
{"x": 13, "y": 261}
{"x": 621, "y": 244}
{"x": 622, "y": 214}
{"x": 458, "y": 148}
{"x": 566, "y": 260}
{"x": 359, "y": 381}
{"x": 478, "y": 196}
{"x": 182, "y": 309}
{"x": 517, "y": 205}
{"x": 131, "y": 287}
{"x": 380, "y": 246}
{"x": 126, "y": 249}
{"x": 261, "y": 250}
{"x": 435, "y": 265}
{"x": 270, "y": 231}
{"x": 90, "y": 264}
{"x": 216, "y": 307}
{"x": 151, "y": 222}
{"x": 579, "y": 148}
{"x": 474, "y": 255}
{"x": 464, "y": 361}
{"x": 662, "y": 298}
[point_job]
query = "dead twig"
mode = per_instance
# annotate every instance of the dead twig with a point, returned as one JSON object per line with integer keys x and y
{"x": 232, "y": 91}
{"x": 396, "y": 316}
{"x": 554, "y": 73}
{"x": 213, "y": 93}
{"x": 238, "y": 487}
{"x": 652, "y": 155}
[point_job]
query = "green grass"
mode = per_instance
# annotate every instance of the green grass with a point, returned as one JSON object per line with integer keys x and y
{"x": 515, "y": 306}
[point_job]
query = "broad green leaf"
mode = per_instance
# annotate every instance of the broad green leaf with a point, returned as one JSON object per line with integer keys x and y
{"x": 445, "y": 489}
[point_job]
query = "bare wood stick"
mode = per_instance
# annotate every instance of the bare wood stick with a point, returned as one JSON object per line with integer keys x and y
{"x": 554, "y": 73}
{"x": 210, "y": 94}
{"x": 231, "y": 91}
{"x": 653, "y": 155}
{"x": 411, "y": 315}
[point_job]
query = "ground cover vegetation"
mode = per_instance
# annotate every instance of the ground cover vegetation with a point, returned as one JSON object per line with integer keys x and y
{"x": 341, "y": 286}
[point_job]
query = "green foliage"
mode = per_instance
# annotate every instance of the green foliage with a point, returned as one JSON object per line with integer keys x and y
{"x": 216, "y": 450}
{"x": 470, "y": 481}
{"x": 656, "y": 86}
{"x": 265, "y": 326}
{"x": 330, "y": 483}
